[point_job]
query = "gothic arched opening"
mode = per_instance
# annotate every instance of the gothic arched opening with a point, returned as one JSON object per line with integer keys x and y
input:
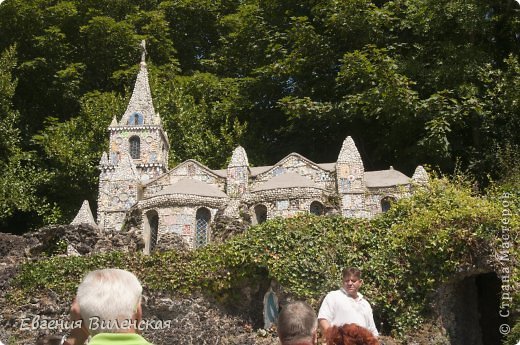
{"x": 151, "y": 228}
{"x": 260, "y": 214}
{"x": 135, "y": 147}
{"x": 386, "y": 203}
{"x": 135, "y": 119}
{"x": 202, "y": 219}
{"x": 317, "y": 208}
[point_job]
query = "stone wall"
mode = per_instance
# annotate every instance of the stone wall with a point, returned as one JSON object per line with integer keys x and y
{"x": 374, "y": 197}
{"x": 194, "y": 319}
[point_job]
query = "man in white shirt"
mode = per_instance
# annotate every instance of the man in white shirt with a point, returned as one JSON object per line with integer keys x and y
{"x": 347, "y": 305}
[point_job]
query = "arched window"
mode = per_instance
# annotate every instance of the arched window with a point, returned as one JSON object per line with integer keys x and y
{"x": 386, "y": 203}
{"x": 316, "y": 208}
{"x": 135, "y": 119}
{"x": 135, "y": 147}
{"x": 202, "y": 218}
{"x": 260, "y": 214}
{"x": 151, "y": 229}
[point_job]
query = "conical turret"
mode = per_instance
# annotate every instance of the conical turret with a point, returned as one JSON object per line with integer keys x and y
{"x": 84, "y": 216}
{"x": 140, "y": 110}
{"x": 349, "y": 168}
{"x": 420, "y": 176}
{"x": 350, "y": 174}
{"x": 349, "y": 152}
{"x": 104, "y": 159}
{"x": 239, "y": 158}
{"x": 114, "y": 122}
{"x": 238, "y": 173}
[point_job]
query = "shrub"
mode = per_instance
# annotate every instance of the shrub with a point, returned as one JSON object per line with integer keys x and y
{"x": 405, "y": 254}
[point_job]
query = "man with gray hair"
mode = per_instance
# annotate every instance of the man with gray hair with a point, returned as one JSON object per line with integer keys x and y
{"x": 297, "y": 324}
{"x": 108, "y": 302}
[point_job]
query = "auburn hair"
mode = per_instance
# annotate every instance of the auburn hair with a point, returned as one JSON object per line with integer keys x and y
{"x": 350, "y": 334}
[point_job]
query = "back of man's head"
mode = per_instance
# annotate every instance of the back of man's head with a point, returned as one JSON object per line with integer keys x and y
{"x": 107, "y": 297}
{"x": 297, "y": 323}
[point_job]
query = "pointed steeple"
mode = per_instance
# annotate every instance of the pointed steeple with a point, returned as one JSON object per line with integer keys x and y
{"x": 237, "y": 173}
{"x": 420, "y": 176}
{"x": 114, "y": 122}
{"x": 239, "y": 158}
{"x": 104, "y": 159}
{"x": 84, "y": 216}
{"x": 140, "y": 110}
{"x": 349, "y": 152}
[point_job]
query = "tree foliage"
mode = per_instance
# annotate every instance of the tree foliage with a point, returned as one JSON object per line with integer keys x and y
{"x": 413, "y": 81}
{"x": 21, "y": 197}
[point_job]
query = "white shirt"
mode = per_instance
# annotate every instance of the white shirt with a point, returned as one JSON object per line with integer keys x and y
{"x": 338, "y": 308}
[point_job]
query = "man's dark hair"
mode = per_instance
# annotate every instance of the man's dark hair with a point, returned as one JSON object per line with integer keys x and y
{"x": 351, "y": 272}
{"x": 297, "y": 321}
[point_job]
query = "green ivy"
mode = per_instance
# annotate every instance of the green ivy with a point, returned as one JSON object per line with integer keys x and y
{"x": 405, "y": 254}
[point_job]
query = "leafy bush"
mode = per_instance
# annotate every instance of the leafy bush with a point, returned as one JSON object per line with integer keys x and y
{"x": 406, "y": 254}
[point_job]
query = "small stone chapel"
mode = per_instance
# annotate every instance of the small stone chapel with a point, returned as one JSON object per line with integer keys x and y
{"x": 185, "y": 199}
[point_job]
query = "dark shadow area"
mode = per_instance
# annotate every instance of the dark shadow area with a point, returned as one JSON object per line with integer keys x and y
{"x": 489, "y": 289}
{"x": 20, "y": 222}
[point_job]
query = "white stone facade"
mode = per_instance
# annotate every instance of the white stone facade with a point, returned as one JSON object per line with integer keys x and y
{"x": 186, "y": 199}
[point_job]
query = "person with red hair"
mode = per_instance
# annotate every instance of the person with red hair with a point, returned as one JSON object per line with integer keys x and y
{"x": 350, "y": 334}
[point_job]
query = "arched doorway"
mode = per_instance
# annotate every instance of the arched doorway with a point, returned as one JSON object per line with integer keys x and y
{"x": 386, "y": 203}
{"x": 316, "y": 208}
{"x": 151, "y": 228}
{"x": 260, "y": 214}
{"x": 202, "y": 219}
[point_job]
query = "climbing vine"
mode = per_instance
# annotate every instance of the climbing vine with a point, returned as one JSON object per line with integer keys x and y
{"x": 405, "y": 254}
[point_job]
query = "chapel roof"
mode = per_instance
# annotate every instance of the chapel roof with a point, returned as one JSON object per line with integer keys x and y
{"x": 287, "y": 180}
{"x": 327, "y": 166}
{"x": 385, "y": 178}
{"x": 192, "y": 187}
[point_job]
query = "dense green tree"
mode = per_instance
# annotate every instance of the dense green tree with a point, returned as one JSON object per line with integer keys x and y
{"x": 413, "y": 81}
{"x": 199, "y": 114}
{"x": 72, "y": 150}
{"x": 22, "y": 202}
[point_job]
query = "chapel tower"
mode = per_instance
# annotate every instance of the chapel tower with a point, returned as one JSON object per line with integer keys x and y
{"x": 138, "y": 152}
{"x": 350, "y": 174}
{"x": 140, "y": 132}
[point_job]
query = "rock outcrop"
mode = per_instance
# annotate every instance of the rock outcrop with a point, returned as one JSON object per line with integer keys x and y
{"x": 177, "y": 319}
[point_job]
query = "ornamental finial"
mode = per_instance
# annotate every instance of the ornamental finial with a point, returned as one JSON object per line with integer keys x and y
{"x": 142, "y": 46}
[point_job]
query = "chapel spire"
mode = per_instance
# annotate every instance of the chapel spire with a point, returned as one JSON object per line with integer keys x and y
{"x": 142, "y": 46}
{"x": 237, "y": 173}
{"x": 140, "y": 110}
